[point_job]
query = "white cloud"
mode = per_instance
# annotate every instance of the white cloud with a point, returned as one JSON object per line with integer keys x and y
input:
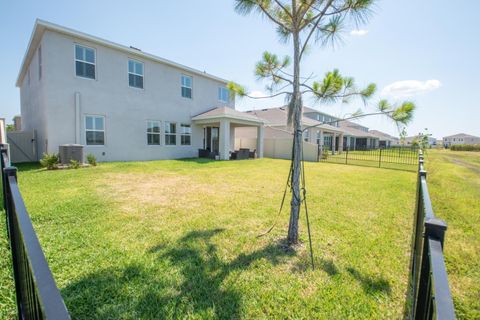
{"x": 358, "y": 32}
{"x": 409, "y": 88}
{"x": 257, "y": 94}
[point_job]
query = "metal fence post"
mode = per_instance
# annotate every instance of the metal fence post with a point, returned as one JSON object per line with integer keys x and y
{"x": 346, "y": 156}
{"x": 380, "y": 159}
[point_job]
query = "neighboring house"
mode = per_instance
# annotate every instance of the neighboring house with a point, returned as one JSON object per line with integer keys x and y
{"x": 460, "y": 138}
{"x": 384, "y": 139}
{"x": 17, "y": 123}
{"x": 325, "y": 135}
{"x": 121, "y": 103}
{"x": 355, "y": 136}
{"x": 431, "y": 141}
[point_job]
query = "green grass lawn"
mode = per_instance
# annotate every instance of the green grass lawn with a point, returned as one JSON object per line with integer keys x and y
{"x": 454, "y": 184}
{"x": 178, "y": 239}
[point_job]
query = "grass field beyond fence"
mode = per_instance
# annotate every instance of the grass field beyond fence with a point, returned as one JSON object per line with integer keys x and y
{"x": 178, "y": 239}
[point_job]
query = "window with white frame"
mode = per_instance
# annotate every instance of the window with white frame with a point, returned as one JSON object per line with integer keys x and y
{"x": 318, "y": 137}
{"x": 306, "y": 135}
{"x": 223, "y": 94}
{"x": 95, "y": 130}
{"x": 153, "y": 132}
{"x": 84, "y": 62}
{"x": 135, "y": 74}
{"x": 185, "y": 134}
{"x": 186, "y": 86}
{"x": 170, "y": 133}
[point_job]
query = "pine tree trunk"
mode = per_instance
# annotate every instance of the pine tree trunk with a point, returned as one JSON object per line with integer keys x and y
{"x": 296, "y": 105}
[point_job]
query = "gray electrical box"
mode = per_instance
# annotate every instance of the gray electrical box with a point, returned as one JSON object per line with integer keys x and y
{"x": 68, "y": 152}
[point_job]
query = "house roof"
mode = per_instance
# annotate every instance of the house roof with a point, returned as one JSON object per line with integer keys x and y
{"x": 227, "y": 112}
{"x": 278, "y": 117}
{"x": 41, "y": 26}
{"x": 381, "y": 134}
{"x": 461, "y": 135}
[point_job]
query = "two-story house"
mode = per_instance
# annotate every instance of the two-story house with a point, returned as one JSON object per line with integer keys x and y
{"x": 121, "y": 103}
{"x": 460, "y": 138}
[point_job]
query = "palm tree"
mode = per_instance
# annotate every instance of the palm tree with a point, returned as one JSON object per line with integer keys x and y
{"x": 301, "y": 22}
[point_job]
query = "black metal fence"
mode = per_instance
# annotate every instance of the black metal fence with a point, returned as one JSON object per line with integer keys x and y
{"x": 429, "y": 294}
{"x": 404, "y": 158}
{"x": 37, "y": 294}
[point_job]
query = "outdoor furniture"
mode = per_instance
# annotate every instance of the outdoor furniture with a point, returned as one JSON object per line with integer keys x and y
{"x": 241, "y": 154}
{"x": 252, "y": 154}
{"x": 204, "y": 153}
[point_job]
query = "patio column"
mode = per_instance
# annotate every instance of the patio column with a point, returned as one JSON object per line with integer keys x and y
{"x": 334, "y": 137}
{"x": 260, "y": 138}
{"x": 354, "y": 143}
{"x": 224, "y": 141}
{"x": 340, "y": 143}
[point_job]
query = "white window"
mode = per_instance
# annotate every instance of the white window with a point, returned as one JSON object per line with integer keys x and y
{"x": 185, "y": 134}
{"x": 39, "y": 63}
{"x": 186, "y": 86}
{"x": 223, "y": 94}
{"x": 170, "y": 133}
{"x": 84, "y": 62}
{"x": 135, "y": 74}
{"x": 153, "y": 132}
{"x": 306, "y": 136}
{"x": 95, "y": 130}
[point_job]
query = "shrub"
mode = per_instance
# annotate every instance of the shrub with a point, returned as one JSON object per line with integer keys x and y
{"x": 465, "y": 147}
{"x": 91, "y": 159}
{"x": 49, "y": 161}
{"x": 74, "y": 164}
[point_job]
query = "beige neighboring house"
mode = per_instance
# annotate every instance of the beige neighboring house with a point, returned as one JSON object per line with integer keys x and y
{"x": 355, "y": 137}
{"x": 318, "y": 134}
{"x": 460, "y": 138}
{"x": 17, "y": 123}
{"x": 385, "y": 140}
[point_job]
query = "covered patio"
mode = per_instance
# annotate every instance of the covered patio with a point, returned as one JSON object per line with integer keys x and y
{"x": 219, "y": 131}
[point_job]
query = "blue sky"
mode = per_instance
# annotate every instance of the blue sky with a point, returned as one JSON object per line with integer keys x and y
{"x": 427, "y": 51}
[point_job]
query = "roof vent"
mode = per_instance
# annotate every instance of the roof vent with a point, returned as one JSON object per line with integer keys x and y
{"x": 134, "y": 48}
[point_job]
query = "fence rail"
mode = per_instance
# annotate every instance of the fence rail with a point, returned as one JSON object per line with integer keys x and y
{"x": 429, "y": 290}
{"x": 405, "y": 158}
{"x": 37, "y": 294}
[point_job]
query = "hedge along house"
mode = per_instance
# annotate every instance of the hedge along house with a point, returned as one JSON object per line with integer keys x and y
{"x": 121, "y": 103}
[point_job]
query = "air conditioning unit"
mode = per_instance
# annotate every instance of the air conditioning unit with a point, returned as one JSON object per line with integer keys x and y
{"x": 69, "y": 152}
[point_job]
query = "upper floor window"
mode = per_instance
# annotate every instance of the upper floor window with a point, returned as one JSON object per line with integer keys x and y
{"x": 153, "y": 132}
{"x": 84, "y": 62}
{"x": 135, "y": 74}
{"x": 95, "y": 130}
{"x": 170, "y": 133}
{"x": 223, "y": 94}
{"x": 185, "y": 134}
{"x": 186, "y": 86}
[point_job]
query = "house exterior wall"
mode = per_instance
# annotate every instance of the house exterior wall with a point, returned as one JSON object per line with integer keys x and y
{"x": 32, "y": 102}
{"x": 126, "y": 110}
{"x": 460, "y": 139}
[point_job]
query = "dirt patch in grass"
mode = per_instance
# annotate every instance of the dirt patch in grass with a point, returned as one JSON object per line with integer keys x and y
{"x": 462, "y": 163}
{"x": 133, "y": 191}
